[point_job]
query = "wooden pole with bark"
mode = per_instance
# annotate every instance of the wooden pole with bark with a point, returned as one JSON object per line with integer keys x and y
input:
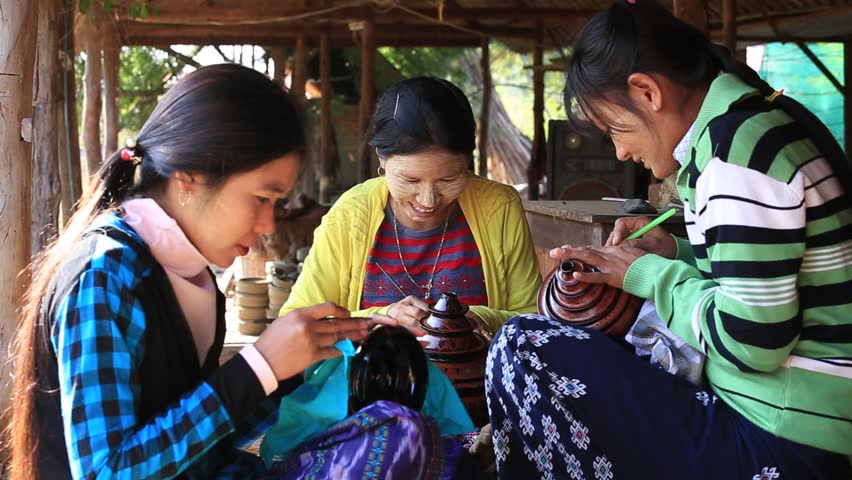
{"x": 112, "y": 51}
{"x": 70, "y": 167}
{"x": 539, "y": 149}
{"x": 17, "y": 58}
{"x": 92, "y": 103}
{"x": 368, "y": 97}
{"x": 326, "y": 142}
{"x": 485, "y": 112}
{"x": 47, "y": 111}
{"x": 279, "y": 58}
{"x": 300, "y": 70}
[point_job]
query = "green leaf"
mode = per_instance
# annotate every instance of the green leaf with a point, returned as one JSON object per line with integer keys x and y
{"x": 83, "y": 5}
{"x": 134, "y": 10}
{"x": 107, "y": 4}
{"x": 143, "y": 11}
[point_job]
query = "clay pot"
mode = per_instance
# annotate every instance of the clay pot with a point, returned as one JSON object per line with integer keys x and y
{"x": 388, "y": 365}
{"x": 593, "y": 305}
{"x": 455, "y": 348}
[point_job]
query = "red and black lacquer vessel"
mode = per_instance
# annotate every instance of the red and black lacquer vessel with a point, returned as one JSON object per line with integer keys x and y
{"x": 594, "y": 305}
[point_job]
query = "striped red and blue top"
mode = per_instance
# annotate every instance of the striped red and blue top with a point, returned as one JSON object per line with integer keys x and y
{"x": 459, "y": 266}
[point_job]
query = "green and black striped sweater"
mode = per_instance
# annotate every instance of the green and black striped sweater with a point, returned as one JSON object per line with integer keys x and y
{"x": 764, "y": 284}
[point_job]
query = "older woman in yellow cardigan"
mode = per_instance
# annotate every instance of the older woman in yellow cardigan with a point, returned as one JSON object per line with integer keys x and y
{"x": 426, "y": 225}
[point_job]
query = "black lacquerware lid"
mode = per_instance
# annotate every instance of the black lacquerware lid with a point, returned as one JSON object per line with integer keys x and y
{"x": 390, "y": 364}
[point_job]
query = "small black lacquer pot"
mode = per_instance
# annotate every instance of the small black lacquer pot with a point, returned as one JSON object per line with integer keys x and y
{"x": 390, "y": 364}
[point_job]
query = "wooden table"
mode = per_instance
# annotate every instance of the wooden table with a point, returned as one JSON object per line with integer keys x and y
{"x": 580, "y": 222}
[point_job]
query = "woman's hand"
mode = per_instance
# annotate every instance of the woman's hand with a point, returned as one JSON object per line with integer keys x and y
{"x": 305, "y": 336}
{"x": 612, "y": 262}
{"x": 409, "y": 311}
{"x": 657, "y": 240}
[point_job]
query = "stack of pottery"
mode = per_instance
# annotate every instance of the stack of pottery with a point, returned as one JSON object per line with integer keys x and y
{"x": 251, "y": 299}
{"x": 593, "y": 305}
{"x": 279, "y": 292}
{"x": 455, "y": 348}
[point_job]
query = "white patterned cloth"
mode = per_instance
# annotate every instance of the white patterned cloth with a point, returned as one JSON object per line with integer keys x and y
{"x": 668, "y": 352}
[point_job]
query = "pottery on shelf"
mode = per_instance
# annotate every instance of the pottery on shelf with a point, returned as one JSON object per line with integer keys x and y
{"x": 459, "y": 351}
{"x": 594, "y": 305}
{"x": 389, "y": 364}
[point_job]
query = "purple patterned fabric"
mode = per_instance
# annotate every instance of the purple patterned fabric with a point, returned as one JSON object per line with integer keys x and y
{"x": 383, "y": 440}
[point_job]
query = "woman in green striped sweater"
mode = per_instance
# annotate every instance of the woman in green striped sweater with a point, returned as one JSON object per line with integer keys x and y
{"x": 762, "y": 287}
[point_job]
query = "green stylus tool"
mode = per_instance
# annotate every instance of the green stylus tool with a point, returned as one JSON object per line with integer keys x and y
{"x": 653, "y": 223}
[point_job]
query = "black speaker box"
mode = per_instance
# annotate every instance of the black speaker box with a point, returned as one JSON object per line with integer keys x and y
{"x": 585, "y": 167}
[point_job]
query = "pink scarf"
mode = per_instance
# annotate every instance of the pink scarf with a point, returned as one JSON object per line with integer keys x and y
{"x": 185, "y": 267}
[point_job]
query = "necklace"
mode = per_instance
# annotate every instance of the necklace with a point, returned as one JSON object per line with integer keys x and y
{"x": 428, "y": 287}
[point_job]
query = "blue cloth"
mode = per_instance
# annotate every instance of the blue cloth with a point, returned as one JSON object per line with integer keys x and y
{"x": 572, "y": 403}
{"x": 323, "y": 400}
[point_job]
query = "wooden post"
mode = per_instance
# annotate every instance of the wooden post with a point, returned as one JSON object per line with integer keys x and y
{"x": 47, "y": 110}
{"x": 729, "y": 25}
{"x": 17, "y": 58}
{"x": 539, "y": 149}
{"x": 300, "y": 70}
{"x": 112, "y": 51}
{"x": 326, "y": 142}
{"x": 485, "y": 112}
{"x": 692, "y": 11}
{"x": 368, "y": 98}
{"x": 92, "y": 103}
{"x": 279, "y": 58}
{"x": 847, "y": 97}
{"x": 73, "y": 188}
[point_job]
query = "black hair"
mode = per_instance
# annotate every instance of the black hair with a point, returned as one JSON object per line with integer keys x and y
{"x": 629, "y": 38}
{"x": 422, "y": 112}
{"x": 219, "y": 120}
{"x": 644, "y": 36}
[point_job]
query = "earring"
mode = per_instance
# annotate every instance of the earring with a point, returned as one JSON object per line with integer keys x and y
{"x": 184, "y": 201}
{"x": 381, "y": 171}
{"x": 654, "y": 107}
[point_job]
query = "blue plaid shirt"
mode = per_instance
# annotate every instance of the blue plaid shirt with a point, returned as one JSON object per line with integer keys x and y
{"x": 98, "y": 340}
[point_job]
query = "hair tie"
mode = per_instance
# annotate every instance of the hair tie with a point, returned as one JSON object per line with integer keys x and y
{"x": 128, "y": 153}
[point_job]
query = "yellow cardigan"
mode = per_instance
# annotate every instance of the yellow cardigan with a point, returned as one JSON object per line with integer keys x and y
{"x": 334, "y": 270}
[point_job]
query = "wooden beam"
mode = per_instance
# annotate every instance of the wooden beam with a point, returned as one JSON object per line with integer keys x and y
{"x": 112, "y": 50}
{"x": 47, "y": 109}
{"x": 300, "y": 70}
{"x": 17, "y": 57}
{"x": 172, "y": 10}
{"x": 539, "y": 149}
{"x": 326, "y": 141}
{"x": 821, "y": 66}
{"x": 92, "y": 102}
{"x": 137, "y": 33}
{"x": 693, "y": 12}
{"x": 784, "y": 38}
{"x": 729, "y": 25}
{"x": 368, "y": 98}
{"x": 485, "y": 112}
